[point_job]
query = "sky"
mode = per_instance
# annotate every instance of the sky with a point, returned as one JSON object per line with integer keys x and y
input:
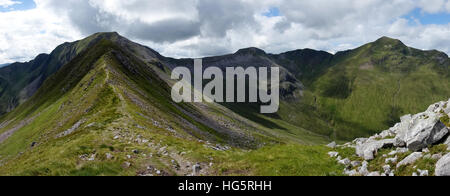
{"x": 198, "y": 28}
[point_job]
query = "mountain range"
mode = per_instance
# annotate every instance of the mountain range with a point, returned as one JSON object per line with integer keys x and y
{"x": 102, "y": 106}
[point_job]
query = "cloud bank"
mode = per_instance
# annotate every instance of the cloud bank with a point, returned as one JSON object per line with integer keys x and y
{"x": 196, "y": 28}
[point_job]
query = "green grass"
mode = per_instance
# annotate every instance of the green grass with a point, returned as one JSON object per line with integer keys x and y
{"x": 282, "y": 160}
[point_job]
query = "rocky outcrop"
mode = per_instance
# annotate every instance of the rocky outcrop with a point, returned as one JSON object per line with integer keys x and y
{"x": 411, "y": 139}
{"x": 369, "y": 149}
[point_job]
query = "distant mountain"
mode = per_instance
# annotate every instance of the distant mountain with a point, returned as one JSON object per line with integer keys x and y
{"x": 102, "y": 106}
{"x": 3, "y": 65}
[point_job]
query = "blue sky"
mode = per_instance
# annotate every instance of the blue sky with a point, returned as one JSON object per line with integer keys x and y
{"x": 21, "y": 5}
{"x": 272, "y": 12}
{"x": 417, "y": 15}
{"x": 427, "y": 18}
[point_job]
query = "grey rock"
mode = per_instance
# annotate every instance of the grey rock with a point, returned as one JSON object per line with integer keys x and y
{"x": 387, "y": 169}
{"x": 443, "y": 166}
{"x": 447, "y": 142}
{"x": 351, "y": 172}
{"x": 109, "y": 156}
{"x": 410, "y": 159}
{"x": 391, "y": 160}
{"x": 92, "y": 157}
{"x": 423, "y": 172}
{"x": 126, "y": 164}
{"x": 392, "y": 153}
{"x": 387, "y": 133}
{"x": 374, "y": 174}
{"x": 332, "y": 145}
{"x": 402, "y": 150}
{"x": 196, "y": 169}
{"x": 333, "y": 154}
{"x": 345, "y": 162}
{"x": 398, "y": 142}
{"x": 402, "y": 129}
{"x": 427, "y": 129}
{"x": 359, "y": 141}
{"x": 355, "y": 163}
{"x": 364, "y": 169}
{"x": 369, "y": 149}
{"x": 436, "y": 156}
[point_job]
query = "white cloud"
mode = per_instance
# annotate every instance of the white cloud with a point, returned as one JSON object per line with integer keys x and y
{"x": 433, "y": 6}
{"x": 195, "y": 28}
{"x": 8, "y": 3}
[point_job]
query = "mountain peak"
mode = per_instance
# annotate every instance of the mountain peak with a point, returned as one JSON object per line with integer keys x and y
{"x": 389, "y": 41}
{"x": 251, "y": 51}
{"x": 106, "y": 35}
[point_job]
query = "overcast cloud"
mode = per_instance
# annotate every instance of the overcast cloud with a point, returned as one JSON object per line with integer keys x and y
{"x": 196, "y": 28}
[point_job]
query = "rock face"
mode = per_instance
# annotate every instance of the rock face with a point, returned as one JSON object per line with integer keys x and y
{"x": 443, "y": 166}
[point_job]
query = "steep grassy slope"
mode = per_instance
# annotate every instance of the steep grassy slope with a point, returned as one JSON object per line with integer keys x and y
{"x": 369, "y": 88}
{"x": 19, "y": 81}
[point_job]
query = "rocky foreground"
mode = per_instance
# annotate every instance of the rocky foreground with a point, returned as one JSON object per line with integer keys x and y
{"x": 417, "y": 146}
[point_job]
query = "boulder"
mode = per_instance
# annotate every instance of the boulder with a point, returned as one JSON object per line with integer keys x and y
{"x": 443, "y": 166}
{"x": 351, "y": 173}
{"x": 374, "y": 174}
{"x": 332, "y": 145}
{"x": 369, "y": 149}
{"x": 109, "y": 156}
{"x": 345, "y": 162}
{"x": 355, "y": 163}
{"x": 364, "y": 169}
{"x": 391, "y": 160}
{"x": 387, "y": 169}
{"x": 426, "y": 129}
{"x": 402, "y": 128}
{"x": 333, "y": 154}
{"x": 412, "y": 158}
{"x": 423, "y": 172}
{"x": 436, "y": 156}
{"x": 196, "y": 169}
